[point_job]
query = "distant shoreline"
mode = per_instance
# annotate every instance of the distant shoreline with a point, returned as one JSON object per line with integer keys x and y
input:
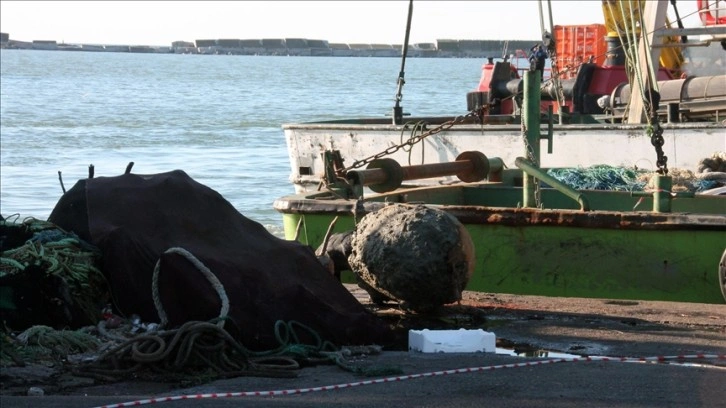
{"x": 296, "y": 47}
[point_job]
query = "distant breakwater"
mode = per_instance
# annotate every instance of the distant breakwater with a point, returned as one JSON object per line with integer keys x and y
{"x": 297, "y": 47}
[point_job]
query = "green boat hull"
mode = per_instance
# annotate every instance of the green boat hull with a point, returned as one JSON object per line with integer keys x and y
{"x": 565, "y": 253}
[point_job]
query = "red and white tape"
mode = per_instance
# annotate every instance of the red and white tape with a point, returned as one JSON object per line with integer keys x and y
{"x": 294, "y": 391}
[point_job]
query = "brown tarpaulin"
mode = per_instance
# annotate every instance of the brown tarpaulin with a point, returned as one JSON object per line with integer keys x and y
{"x": 134, "y": 219}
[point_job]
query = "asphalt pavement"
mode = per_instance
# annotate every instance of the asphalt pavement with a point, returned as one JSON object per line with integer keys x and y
{"x": 541, "y": 343}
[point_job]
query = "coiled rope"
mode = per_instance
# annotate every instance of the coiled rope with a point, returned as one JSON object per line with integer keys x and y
{"x": 204, "y": 346}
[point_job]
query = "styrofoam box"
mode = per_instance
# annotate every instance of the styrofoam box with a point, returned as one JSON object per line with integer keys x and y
{"x": 451, "y": 341}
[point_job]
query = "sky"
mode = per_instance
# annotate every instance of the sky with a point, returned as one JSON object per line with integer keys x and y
{"x": 159, "y": 23}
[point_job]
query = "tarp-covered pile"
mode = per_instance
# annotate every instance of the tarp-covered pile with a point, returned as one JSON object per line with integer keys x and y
{"x": 137, "y": 221}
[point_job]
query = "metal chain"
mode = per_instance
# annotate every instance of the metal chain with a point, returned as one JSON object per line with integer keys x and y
{"x": 533, "y": 160}
{"x": 656, "y": 139}
{"x": 556, "y": 78}
{"x": 410, "y": 142}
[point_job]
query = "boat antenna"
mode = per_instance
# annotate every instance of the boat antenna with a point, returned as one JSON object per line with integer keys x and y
{"x": 398, "y": 110}
{"x": 684, "y": 38}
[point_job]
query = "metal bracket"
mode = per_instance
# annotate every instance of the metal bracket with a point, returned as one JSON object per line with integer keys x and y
{"x": 673, "y": 32}
{"x": 333, "y": 163}
{"x": 548, "y": 136}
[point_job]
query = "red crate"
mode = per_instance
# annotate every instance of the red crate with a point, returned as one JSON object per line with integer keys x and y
{"x": 576, "y": 44}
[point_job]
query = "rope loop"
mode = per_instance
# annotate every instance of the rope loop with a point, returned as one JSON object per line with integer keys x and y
{"x": 211, "y": 277}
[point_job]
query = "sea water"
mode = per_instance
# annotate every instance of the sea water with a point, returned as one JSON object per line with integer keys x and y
{"x": 219, "y": 118}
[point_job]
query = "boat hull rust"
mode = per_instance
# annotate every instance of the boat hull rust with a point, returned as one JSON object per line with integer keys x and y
{"x": 569, "y": 253}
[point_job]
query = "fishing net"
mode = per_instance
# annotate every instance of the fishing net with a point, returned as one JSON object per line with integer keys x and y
{"x": 600, "y": 177}
{"x": 711, "y": 174}
{"x": 48, "y": 276}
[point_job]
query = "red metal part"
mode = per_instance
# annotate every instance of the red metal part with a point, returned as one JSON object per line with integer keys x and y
{"x": 707, "y": 13}
{"x": 487, "y": 71}
{"x": 603, "y": 80}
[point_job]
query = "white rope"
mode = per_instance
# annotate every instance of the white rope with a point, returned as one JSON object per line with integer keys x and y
{"x": 216, "y": 284}
{"x": 648, "y": 56}
{"x": 631, "y": 34}
{"x": 623, "y": 48}
{"x": 653, "y": 83}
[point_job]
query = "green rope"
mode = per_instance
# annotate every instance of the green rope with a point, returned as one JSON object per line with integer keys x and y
{"x": 42, "y": 342}
{"x": 600, "y": 177}
{"x": 205, "y": 345}
{"x": 60, "y": 254}
{"x": 12, "y": 263}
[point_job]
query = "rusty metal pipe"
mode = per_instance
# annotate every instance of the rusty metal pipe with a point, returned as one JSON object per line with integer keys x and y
{"x": 423, "y": 171}
{"x": 387, "y": 175}
{"x": 368, "y": 176}
{"x": 381, "y": 175}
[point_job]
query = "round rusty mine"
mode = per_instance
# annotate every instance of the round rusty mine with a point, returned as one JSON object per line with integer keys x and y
{"x": 413, "y": 254}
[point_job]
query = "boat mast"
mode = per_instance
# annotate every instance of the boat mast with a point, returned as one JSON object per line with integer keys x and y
{"x": 398, "y": 109}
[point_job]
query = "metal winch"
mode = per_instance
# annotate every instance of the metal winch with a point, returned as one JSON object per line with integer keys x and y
{"x": 384, "y": 175}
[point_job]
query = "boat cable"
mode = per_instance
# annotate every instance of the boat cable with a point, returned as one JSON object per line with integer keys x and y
{"x": 679, "y": 21}
{"x": 625, "y": 49}
{"x": 634, "y": 66}
{"x": 419, "y": 126}
{"x": 549, "y": 43}
{"x": 669, "y": 360}
{"x": 631, "y": 58}
{"x": 398, "y": 109}
{"x": 649, "y": 93}
{"x": 411, "y": 141}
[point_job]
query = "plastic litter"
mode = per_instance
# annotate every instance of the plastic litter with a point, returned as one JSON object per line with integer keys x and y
{"x": 451, "y": 341}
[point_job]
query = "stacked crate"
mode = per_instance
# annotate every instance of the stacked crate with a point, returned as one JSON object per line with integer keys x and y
{"x": 577, "y": 44}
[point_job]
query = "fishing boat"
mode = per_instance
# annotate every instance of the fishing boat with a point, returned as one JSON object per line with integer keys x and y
{"x": 593, "y": 120}
{"x": 533, "y": 233}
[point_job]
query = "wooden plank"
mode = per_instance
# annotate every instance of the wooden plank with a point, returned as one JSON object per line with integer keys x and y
{"x": 654, "y": 16}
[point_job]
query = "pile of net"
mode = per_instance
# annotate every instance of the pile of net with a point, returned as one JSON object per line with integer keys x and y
{"x": 711, "y": 174}
{"x": 48, "y": 276}
{"x": 600, "y": 177}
